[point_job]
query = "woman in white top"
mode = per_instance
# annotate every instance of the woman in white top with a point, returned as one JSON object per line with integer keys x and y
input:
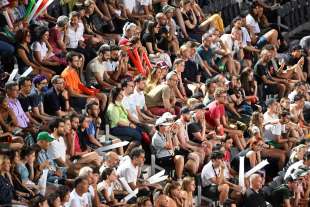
{"x": 105, "y": 187}
{"x": 42, "y": 50}
{"x": 253, "y": 21}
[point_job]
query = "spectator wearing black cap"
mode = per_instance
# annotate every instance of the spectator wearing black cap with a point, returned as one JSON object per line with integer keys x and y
{"x": 97, "y": 69}
{"x": 214, "y": 175}
{"x": 283, "y": 194}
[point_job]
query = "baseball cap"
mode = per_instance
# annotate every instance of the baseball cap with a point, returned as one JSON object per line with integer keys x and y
{"x": 44, "y": 136}
{"x": 162, "y": 122}
{"x": 169, "y": 116}
{"x": 199, "y": 106}
{"x": 185, "y": 110}
{"x": 123, "y": 42}
{"x": 167, "y": 8}
{"x": 162, "y": 65}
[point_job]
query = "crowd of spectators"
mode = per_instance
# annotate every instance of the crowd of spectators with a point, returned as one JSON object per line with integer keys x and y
{"x": 172, "y": 81}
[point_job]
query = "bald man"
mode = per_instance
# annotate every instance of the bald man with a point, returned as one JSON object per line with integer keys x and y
{"x": 111, "y": 161}
{"x": 254, "y": 196}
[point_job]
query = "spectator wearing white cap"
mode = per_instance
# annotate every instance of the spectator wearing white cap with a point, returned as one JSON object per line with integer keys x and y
{"x": 164, "y": 144}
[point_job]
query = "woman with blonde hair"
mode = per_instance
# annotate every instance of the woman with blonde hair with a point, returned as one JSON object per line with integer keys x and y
{"x": 174, "y": 191}
{"x": 256, "y": 129}
{"x": 6, "y": 183}
{"x": 189, "y": 186}
{"x": 153, "y": 79}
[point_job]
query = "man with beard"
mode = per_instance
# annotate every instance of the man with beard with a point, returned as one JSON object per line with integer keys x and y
{"x": 97, "y": 69}
{"x": 129, "y": 104}
{"x": 192, "y": 151}
{"x": 25, "y": 100}
{"x": 40, "y": 83}
{"x": 56, "y": 99}
{"x": 57, "y": 148}
{"x": 92, "y": 109}
{"x": 79, "y": 93}
{"x": 141, "y": 111}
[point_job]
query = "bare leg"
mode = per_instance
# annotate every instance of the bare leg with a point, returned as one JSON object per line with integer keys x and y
{"x": 179, "y": 165}
{"x": 223, "y": 189}
{"x": 181, "y": 21}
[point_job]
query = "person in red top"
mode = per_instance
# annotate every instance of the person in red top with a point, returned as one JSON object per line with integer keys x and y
{"x": 216, "y": 119}
{"x": 75, "y": 151}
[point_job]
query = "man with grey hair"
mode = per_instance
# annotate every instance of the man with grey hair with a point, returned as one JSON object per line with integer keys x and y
{"x": 111, "y": 160}
{"x": 254, "y": 196}
{"x": 56, "y": 99}
{"x": 162, "y": 98}
{"x": 12, "y": 92}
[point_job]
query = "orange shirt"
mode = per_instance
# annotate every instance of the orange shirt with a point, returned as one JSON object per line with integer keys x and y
{"x": 72, "y": 79}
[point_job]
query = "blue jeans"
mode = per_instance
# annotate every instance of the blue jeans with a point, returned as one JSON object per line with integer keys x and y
{"x": 6, "y": 49}
{"x": 127, "y": 133}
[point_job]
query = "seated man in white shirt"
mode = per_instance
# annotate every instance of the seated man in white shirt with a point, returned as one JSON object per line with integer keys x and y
{"x": 130, "y": 168}
{"x": 130, "y": 103}
{"x": 142, "y": 112}
{"x": 79, "y": 196}
{"x": 273, "y": 128}
{"x": 233, "y": 45}
{"x": 214, "y": 176}
{"x": 57, "y": 148}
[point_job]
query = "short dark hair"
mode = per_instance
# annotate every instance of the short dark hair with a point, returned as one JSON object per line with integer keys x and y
{"x": 26, "y": 151}
{"x": 55, "y": 124}
{"x": 104, "y": 48}
{"x": 74, "y": 115}
{"x": 136, "y": 152}
{"x": 35, "y": 202}
{"x": 139, "y": 78}
{"x": 62, "y": 192}
{"x": 9, "y": 85}
{"x": 90, "y": 105}
{"x": 106, "y": 172}
{"x": 72, "y": 54}
{"x": 78, "y": 180}
{"x": 23, "y": 80}
{"x": 125, "y": 81}
{"x": 51, "y": 198}
{"x": 298, "y": 97}
{"x": 114, "y": 47}
{"x": 271, "y": 102}
{"x": 217, "y": 155}
{"x": 40, "y": 31}
{"x": 114, "y": 93}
